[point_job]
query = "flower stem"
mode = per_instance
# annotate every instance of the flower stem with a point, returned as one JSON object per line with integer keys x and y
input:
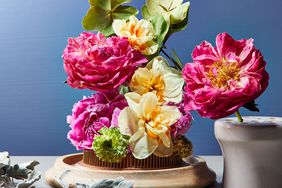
{"x": 171, "y": 59}
{"x": 240, "y": 119}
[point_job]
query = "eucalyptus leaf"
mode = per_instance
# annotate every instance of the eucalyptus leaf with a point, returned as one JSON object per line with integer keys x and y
{"x": 32, "y": 178}
{"x": 103, "y": 183}
{"x": 5, "y": 182}
{"x": 4, "y": 159}
{"x": 161, "y": 28}
{"x": 96, "y": 19}
{"x": 124, "y": 12}
{"x": 116, "y": 183}
{"x": 24, "y": 172}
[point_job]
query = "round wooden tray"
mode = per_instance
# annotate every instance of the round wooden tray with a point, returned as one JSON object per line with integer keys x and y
{"x": 74, "y": 171}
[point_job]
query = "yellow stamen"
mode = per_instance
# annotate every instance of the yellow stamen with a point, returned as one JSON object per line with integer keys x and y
{"x": 221, "y": 72}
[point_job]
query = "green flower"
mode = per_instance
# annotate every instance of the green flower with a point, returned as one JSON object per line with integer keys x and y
{"x": 111, "y": 146}
{"x": 102, "y": 13}
{"x": 172, "y": 10}
{"x": 175, "y": 12}
{"x": 182, "y": 146}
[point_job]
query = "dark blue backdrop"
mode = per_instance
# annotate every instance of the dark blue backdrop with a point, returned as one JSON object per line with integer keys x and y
{"x": 34, "y": 101}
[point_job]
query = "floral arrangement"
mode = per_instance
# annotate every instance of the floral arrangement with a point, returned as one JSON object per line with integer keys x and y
{"x": 143, "y": 101}
{"x": 138, "y": 105}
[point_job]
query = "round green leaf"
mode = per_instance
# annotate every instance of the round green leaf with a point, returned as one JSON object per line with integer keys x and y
{"x": 96, "y": 19}
{"x": 108, "y": 31}
{"x": 104, "y": 4}
{"x": 116, "y": 3}
{"x": 124, "y": 12}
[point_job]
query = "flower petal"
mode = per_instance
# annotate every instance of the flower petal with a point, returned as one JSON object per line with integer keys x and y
{"x": 133, "y": 100}
{"x": 117, "y": 25}
{"x": 148, "y": 104}
{"x": 179, "y": 14}
{"x": 144, "y": 147}
{"x": 159, "y": 66}
{"x": 128, "y": 121}
{"x": 171, "y": 113}
{"x": 173, "y": 87}
{"x": 139, "y": 133}
{"x": 204, "y": 51}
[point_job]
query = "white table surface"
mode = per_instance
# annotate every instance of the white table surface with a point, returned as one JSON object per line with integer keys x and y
{"x": 214, "y": 162}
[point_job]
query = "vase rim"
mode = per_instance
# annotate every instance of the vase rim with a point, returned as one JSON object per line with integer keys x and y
{"x": 251, "y": 121}
{"x": 254, "y": 128}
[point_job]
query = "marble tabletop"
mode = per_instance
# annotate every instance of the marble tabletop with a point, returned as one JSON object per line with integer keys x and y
{"x": 214, "y": 162}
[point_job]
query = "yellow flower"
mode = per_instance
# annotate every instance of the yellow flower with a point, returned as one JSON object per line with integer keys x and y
{"x": 140, "y": 34}
{"x": 158, "y": 77}
{"x": 148, "y": 125}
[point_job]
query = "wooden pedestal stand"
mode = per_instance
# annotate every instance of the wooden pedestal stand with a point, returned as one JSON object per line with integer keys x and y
{"x": 75, "y": 171}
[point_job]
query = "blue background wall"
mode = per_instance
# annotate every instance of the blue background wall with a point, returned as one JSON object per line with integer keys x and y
{"x": 34, "y": 101}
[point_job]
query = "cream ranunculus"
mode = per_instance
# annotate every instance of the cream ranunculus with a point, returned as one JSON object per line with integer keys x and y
{"x": 148, "y": 125}
{"x": 158, "y": 77}
{"x": 140, "y": 34}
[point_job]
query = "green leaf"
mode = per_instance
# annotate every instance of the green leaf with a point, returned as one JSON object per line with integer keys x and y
{"x": 145, "y": 13}
{"x": 124, "y": 12}
{"x": 116, "y": 3}
{"x": 108, "y": 31}
{"x": 123, "y": 89}
{"x": 176, "y": 58}
{"x": 96, "y": 19}
{"x": 104, "y": 4}
{"x": 91, "y": 2}
{"x": 161, "y": 27}
{"x": 252, "y": 106}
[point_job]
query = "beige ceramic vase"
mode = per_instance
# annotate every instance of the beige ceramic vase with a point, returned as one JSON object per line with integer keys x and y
{"x": 252, "y": 151}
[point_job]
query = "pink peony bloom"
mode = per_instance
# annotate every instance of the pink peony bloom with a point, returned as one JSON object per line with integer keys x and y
{"x": 184, "y": 123}
{"x": 98, "y": 63}
{"x": 91, "y": 114}
{"x": 222, "y": 79}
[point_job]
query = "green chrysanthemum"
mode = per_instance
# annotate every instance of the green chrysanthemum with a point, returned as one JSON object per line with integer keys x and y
{"x": 111, "y": 146}
{"x": 182, "y": 146}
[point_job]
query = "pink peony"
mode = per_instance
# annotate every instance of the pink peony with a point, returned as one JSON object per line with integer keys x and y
{"x": 98, "y": 63}
{"x": 222, "y": 79}
{"x": 184, "y": 123}
{"x": 91, "y": 114}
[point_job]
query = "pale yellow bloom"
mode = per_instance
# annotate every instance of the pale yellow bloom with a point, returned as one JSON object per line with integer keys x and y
{"x": 140, "y": 34}
{"x": 148, "y": 125}
{"x": 158, "y": 77}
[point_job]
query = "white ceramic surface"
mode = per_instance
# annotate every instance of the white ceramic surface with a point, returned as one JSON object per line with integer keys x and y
{"x": 252, "y": 151}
